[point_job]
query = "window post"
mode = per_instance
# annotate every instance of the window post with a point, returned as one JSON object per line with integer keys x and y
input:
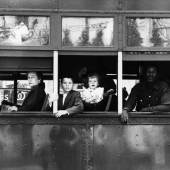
{"x": 120, "y": 76}
{"x": 55, "y": 79}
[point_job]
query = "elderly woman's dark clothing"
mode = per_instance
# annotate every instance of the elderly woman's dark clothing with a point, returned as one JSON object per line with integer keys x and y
{"x": 34, "y": 100}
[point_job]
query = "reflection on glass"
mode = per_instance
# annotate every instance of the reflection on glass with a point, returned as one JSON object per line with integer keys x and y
{"x": 6, "y": 90}
{"x": 23, "y": 88}
{"x": 24, "y": 30}
{"x": 148, "y": 32}
{"x": 81, "y": 31}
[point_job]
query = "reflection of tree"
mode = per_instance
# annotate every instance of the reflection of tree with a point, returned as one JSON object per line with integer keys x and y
{"x": 112, "y": 40}
{"x": 156, "y": 39}
{"x": 98, "y": 40}
{"x": 23, "y": 19}
{"x": 133, "y": 35}
{"x": 84, "y": 38}
{"x": 66, "y": 40}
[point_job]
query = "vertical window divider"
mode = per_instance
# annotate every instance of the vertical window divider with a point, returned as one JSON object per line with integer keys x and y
{"x": 55, "y": 79}
{"x": 120, "y": 80}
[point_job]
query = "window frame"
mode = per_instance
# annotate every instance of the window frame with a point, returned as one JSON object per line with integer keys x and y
{"x": 147, "y": 15}
{"x": 89, "y": 14}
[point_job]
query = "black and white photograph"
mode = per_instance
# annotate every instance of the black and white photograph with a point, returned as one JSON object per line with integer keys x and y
{"x": 84, "y": 85}
{"x": 87, "y": 32}
{"x": 24, "y": 31}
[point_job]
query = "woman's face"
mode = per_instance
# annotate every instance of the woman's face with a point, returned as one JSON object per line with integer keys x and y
{"x": 33, "y": 79}
{"x": 67, "y": 84}
{"x": 93, "y": 83}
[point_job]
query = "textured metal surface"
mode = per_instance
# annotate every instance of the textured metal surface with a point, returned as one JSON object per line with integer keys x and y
{"x": 135, "y": 147}
{"x": 40, "y": 147}
{"x": 147, "y": 5}
{"x": 89, "y": 5}
{"x": 36, "y": 4}
{"x": 84, "y": 146}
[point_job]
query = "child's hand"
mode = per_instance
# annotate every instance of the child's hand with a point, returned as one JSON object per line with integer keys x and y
{"x": 61, "y": 112}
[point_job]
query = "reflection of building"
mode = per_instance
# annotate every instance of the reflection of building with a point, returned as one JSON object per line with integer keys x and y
{"x": 145, "y": 30}
{"x": 163, "y": 26}
{"x": 24, "y": 30}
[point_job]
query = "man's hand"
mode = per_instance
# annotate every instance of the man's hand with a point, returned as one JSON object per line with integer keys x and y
{"x": 61, "y": 112}
{"x": 124, "y": 116}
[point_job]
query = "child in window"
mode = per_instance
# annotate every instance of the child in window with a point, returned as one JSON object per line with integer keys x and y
{"x": 69, "y": 102}
{"x": 93, "y": 95}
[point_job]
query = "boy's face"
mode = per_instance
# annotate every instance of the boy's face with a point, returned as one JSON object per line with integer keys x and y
{"x": 93, "y": 82}
{"x": 67, "y": 84}
{"x": 33, "y": 79}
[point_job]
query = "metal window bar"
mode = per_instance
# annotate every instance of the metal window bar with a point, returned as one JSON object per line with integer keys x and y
{"x": 55, "y": 79}
{"x": 120, "y": 72}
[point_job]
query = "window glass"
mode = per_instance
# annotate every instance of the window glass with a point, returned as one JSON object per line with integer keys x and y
{"x": 87, "y": 31}
{"x": 6, "y": 90}
{"x": 24, "y": 30}
{"x": 22, "y": 90}
{"x": 148, "y": 32}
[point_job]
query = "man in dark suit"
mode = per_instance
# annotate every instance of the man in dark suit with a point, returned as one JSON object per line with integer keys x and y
{"x": 70, "y": 101}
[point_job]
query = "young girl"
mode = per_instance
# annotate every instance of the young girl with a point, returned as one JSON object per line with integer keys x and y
{"x": 93, "y": 95}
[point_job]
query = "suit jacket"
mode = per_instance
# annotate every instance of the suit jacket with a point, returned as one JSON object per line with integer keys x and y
{"x": 34, "y": 100}
{"x": 73, "y": 102}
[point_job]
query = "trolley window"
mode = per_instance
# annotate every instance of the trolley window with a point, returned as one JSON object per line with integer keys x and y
{"x": 88, "y": 32}
{"x": 148, "y": 32}
{"x": 147, "y": 93}
{"x": 86, "y": 69}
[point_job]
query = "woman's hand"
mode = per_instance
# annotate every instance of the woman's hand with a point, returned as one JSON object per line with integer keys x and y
{"x": 60, "y": 113}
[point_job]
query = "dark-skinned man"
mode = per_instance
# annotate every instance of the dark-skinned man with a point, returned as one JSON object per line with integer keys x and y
{"x": 152, "y": 95}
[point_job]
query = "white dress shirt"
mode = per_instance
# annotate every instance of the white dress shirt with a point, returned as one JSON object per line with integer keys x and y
{"x": 64, "y": 97}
